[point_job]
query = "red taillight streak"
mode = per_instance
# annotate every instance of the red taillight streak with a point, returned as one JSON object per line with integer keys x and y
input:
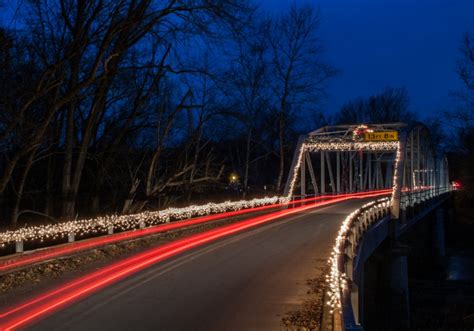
{"x": 91, "y": 243}
{"x": 119, "y": 265}
{"x": 202, "y": 219}
{"x": 96, "y": 242}
{"x": 116, "y": 266}
{"x": 143, "y": 260}
{"x": 134, "y": 268}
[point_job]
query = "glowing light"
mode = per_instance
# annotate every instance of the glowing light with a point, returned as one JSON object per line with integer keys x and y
{"x": 358, "y": 132}
{"x": 456, "y": 185}
{"x": 395, "y": 173}
{"x": 233, "y": 178}
{"x": 128, "y": 222}
{"x": 352, "y": 146}
{"x": 52, "y": 252}
{"x": 313, "y": 146}
{"x": 337, "y": 279}
{"x": 295, "y": 171}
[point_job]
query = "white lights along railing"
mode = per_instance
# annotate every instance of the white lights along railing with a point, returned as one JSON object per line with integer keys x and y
{"x": 347, "y": 241}
{"x": 355, "y": 223}
{"x": 110, "y": 223}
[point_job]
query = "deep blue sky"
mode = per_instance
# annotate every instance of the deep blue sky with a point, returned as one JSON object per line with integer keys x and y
{"x": 379, "y": 43}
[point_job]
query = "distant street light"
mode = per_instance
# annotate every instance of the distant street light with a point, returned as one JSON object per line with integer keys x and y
{"x": 234, "y": 178}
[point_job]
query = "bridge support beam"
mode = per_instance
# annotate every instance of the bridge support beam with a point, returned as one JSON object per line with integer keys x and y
{"x": 303, "y": 177}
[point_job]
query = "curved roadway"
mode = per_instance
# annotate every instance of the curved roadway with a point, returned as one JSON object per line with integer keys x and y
{"x": 245, "y": 282}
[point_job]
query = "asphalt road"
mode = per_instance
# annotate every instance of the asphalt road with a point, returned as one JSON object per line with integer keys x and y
{"x": 244, "y": 282}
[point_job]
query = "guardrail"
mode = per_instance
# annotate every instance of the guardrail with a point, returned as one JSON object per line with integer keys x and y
{"x": 118, "y": 223}
{"x": 410, "y": 199}
{"x": 350, "y": 235}
{"x": 352, "y": 229}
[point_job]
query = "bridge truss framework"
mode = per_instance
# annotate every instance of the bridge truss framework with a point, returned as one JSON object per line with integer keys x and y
{"x": 347, "y": 163}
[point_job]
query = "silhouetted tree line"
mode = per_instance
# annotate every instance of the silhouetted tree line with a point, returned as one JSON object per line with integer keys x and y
{"x": 124, "y": 105}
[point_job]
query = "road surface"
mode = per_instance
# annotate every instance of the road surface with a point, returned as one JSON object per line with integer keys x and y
{"x": 245, "y": 282}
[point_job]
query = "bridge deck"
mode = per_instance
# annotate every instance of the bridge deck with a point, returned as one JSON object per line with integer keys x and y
{"x": 247, "y": 281}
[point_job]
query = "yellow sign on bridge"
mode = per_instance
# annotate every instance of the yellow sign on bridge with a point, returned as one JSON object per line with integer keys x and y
{"x": 381, "y": 136}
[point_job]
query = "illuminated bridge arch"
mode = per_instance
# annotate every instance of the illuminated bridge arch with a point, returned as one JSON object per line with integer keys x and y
{"x": 356, "y": 158}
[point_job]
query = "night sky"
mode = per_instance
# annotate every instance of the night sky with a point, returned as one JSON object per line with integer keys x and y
{"x": 379, "y": 43}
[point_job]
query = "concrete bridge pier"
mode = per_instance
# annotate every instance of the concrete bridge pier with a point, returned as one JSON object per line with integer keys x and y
{"x": 399, "y": 312}
{"x": 357, "y": 297}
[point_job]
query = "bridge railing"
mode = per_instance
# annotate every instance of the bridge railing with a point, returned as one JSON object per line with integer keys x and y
{"x": 345, "y": 250}
{"x": 411, "y": 198}
{"x": 39, "y": 236}
{"x": 349, "y": 238}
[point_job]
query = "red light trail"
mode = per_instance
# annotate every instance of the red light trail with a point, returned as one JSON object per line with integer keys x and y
{"x": 24, "y": 259}
{"x": 39, "y": 306}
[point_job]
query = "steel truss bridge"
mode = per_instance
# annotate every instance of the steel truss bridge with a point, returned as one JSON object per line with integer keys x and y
{"x": 351, "y": 187}
{"x": 356, "y": 158}
{"x": 347, "y": 164}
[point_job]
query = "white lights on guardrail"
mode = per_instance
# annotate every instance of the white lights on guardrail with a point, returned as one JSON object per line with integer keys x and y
{"x": 127, "y": 222}
{"x": 336, "y": 278}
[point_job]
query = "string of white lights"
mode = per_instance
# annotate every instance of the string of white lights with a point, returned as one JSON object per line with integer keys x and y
{"x": 295, "y": 171}
{"x": 396, "y": 172}
{"x": 338, "y": 146}
{"x": 127, "y": 222}
{"x": 336, "y": 278}
{"x": 352, "y": 146}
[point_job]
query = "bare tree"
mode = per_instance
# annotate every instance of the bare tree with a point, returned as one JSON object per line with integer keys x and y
{"x": 247, "y": 88}
{"x": 101, "y": 109}
{"x": 101, "y": 33}
{"x": 300, "y": 73}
